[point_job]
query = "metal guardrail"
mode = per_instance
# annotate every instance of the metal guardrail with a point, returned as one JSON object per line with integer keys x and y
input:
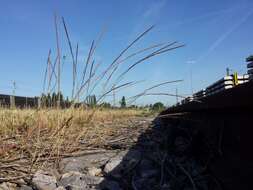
{"x": 250, "y": 70}
{"x": 224, "y": 83}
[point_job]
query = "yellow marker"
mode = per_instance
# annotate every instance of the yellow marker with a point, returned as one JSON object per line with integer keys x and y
{"x": 235, "y": 78}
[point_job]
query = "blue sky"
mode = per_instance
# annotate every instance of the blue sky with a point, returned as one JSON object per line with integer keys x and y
{"x": 217, "y": 34}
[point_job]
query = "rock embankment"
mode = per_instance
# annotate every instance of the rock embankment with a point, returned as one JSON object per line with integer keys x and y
{"x": 150, "y": 156}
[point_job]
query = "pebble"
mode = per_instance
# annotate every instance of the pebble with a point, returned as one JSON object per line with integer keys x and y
{"x": 43, "y": 181}
{"x": 94, "y": 171}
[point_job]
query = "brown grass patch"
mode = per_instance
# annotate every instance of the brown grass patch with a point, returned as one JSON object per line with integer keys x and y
{"x": 34, "y": 138}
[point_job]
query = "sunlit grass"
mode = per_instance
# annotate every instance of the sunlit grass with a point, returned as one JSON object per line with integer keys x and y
{"x": 52, "y": 131}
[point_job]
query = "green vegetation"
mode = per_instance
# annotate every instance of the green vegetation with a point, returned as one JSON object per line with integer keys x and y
{"x": 123, "y": 102}
{"x": 91, "y": 101}
{"x": 50, "y": 100}
{"x": 158, "y": 106}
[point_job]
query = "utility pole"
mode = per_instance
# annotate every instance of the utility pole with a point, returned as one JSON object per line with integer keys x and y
{"x": 12, "y": 98}
{"x": 191, "y": 80}
{"x": 114, "y": 100}
{"x": 14, "y": 88}
{"x": 227, "y": 71}
{"x": 49, "y": 75}
{"x": 176, "y": 96}
{"x": 191, "y": 63}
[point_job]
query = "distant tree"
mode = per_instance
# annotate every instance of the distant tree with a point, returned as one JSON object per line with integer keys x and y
{"x": 54, "y": 99}
{"x": 158, "y": 106}
{"x": 133, "y": 106}
{"x": 49, "y": 100}
{"x": 123, "y": 102}
{"x": 67, "y": 100}
{"x": 43, "y": 100}
{"x": 60, "y": 95}
{"x": 106, "y": 105}
{"x": 91, "y": 100}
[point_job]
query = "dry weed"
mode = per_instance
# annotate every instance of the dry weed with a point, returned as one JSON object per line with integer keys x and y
{"x": 31, "y": 139}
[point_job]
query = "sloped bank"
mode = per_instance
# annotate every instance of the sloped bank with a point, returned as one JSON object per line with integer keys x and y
{"x": 218, "y": 144}
{"x": 224, "y": 123}
{"x": 183, "y": 152}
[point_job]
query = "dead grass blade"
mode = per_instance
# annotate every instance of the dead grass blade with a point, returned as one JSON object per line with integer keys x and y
{"x": 93, "y": 47}
{"x": 130, "y": 45}
{"x": 121, "y": 53}
{"x": 82, "y": 87}
{"x": 59, "y": 59}
{"x": 76, "y": 65}
{"x": 72, "y": 56}
{"x": 87, "y": 62}
{"x": 134, "y": 98}
{"x": 130, "y": 56}
{"x": 53, "y": 73}
{"x": 160, "y": 51}
{"x": 112, "y": 89}
{"x": 45, "y": 75}
{"x": 90, "y": 75}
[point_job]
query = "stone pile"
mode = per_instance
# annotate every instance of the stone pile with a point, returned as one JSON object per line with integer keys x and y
{"x": 164, "y": 157}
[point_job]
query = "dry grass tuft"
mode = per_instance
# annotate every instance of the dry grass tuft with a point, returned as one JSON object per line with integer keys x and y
{"x": 32, "y": 139}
